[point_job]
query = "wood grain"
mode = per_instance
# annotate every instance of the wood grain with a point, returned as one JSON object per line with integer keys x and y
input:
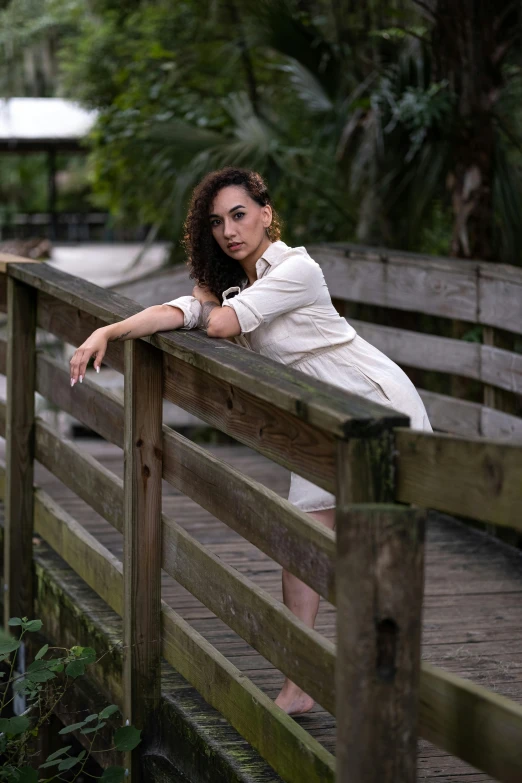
{"x": 292, "y": 538}
{"x": 142, "y": 541}
{"x": 380, "y": 555}
{"x": 500, "y": 296}
{"x": 468, "y": 477}
{"x": 281, "y": 741}
{"x": 472, "y": 419}
{"x": 437, "y": 286}
{"x": 479, "y": 726}
{"x": 266, "y": 624}
{"x": 365, "y": 470}
{"x": 262, "y": 621}
{"x": 474, "y": 291}
{"x": 71, "y": 308}
{"x": 101, "y": 570}
{"x": 21, "y": 334}
{"x": 493, "y": 366}
{"x": 295, "y": 540}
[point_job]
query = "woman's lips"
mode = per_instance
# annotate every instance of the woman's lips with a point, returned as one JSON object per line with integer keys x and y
{"x": 235, "y": 247}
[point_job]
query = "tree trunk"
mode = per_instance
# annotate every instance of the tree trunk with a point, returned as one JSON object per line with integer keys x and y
{"x": 470, "y": 39}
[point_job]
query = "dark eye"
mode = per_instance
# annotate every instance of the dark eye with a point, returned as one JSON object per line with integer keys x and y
{"x": 214, "y": 221}
{"x": 239, "y": 213}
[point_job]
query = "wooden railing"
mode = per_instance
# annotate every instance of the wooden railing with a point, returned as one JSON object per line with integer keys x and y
{"x": 486, "y": 294}
{"x": 372, "y": 570}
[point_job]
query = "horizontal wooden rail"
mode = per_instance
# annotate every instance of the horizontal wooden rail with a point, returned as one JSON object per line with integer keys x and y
{"x": 300, "y": 544}
{"x": 468, "y": 721}
{"x": 285, "y": 433}
{"x": 70, "y": 308}
{"x": 470, "y": 419}
{"x": 264, "y": 622}
{"x": 100, "y": 569}
{"x": 291, "y": 751}
{"x": 475, "y": 291}
{"x": 485, "y": 363}
{"x": 481, "y": 479}
{"x": 464, "y": 719}
{"x": 472, "y": 478}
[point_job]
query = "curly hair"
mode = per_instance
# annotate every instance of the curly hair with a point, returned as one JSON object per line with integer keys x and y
{"x": 209, "y": 265}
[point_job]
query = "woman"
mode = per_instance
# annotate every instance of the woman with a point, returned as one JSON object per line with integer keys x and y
{"x": 273, "y": 300}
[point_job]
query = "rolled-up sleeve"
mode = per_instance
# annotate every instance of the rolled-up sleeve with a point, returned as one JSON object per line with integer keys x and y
{"x": 294, "y": 283}
{"x": 191, "y": 309}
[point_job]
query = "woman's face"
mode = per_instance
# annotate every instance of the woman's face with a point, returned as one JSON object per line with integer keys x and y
{"x": 238, "y": 223}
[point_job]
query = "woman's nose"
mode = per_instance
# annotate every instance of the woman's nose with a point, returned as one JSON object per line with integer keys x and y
{"x": 228, "y": 230}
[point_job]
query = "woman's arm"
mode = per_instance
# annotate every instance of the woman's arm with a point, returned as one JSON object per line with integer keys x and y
{"x": 159, "y": 318}
{"x": 215, "y": 320}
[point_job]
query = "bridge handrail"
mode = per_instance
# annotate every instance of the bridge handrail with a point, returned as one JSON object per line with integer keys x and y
{"x": 347, "y": 445}
{"x": 485, "y": 294}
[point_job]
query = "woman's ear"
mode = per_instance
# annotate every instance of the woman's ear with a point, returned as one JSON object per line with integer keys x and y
{"x": 267, "y": 215}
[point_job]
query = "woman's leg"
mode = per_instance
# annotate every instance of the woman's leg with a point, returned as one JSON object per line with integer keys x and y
{"x": 304, "y": 603}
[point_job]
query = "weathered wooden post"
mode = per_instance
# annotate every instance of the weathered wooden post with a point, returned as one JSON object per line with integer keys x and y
{"x": 142, "y": 539}
{"x": 379, "y": 575}
{"x": 18, "y": 540}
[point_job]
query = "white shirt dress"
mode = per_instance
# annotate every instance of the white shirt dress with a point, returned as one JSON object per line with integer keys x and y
{"x": 287, "y": 314}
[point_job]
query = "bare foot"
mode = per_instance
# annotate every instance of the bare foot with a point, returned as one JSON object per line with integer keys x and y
{"x": 294, "y": 701}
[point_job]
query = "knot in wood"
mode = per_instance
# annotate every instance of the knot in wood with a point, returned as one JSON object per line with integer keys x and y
{"x": 387, "y": 633}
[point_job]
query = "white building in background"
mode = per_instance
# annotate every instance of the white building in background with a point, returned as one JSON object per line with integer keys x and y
{"x": 44, "y": 125}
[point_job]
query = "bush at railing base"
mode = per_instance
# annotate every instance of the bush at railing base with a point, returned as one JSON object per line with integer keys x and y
{"x": 44, "y": 684}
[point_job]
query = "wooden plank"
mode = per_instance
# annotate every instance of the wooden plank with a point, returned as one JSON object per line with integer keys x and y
{"x": 279, "y": 739}
{"x": 294, "y": 539}
{"x": 414, "y": 349}
{"x": 437, "y": 286}
{"x": 289, "y": 536}
{"x": 478, "y": 725}
{"x": 270, "y": 431}
{"x": 71, "y": 308}
{"x": 9, "y": 258}
{"x": 264, "y": 622}
{"x": 449, "y": 414}
{"x": 83, "y": 474}
{"x": 497, "y": 425}
{"x": 21, "y": 334}
{"x": 461, "y": 417}
{"x": 480, "y": 479}
{"x": 288, "y": 747}
{"x": 73, "y": 324}
{"x": 246, "y": 608}
{"x": 142, "y": 542}
{"x": 101, "y": 570}
{"x": 500, "y": 296}
{"x": 96, "y": 407}
{"x": 492, "y": 366}
{"x": 365, "y": 470}
{"x": 380, "y": 555}
{"x": 501, "y": 368}
{"x": 488, "y": 337}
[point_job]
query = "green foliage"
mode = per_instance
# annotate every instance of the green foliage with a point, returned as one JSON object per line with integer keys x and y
{"x": 340, "y": 110}
{"x": 17, "y": 734}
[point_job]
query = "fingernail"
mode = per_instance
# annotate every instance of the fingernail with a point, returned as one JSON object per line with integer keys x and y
{"x": 81, "y": 378}
{"x": 72, "y": 381}
{"x": 97, "y": 369}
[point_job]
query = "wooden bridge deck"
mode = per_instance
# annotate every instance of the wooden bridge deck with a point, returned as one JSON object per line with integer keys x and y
{"x": 472, "y": 608}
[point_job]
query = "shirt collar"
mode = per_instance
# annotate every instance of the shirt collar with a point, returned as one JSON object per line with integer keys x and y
{"x": 270, "y": 256}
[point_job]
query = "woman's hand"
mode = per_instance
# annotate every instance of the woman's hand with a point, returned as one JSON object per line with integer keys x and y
{"x": 203, "y": 294}
{"x": 95, "y": 345}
